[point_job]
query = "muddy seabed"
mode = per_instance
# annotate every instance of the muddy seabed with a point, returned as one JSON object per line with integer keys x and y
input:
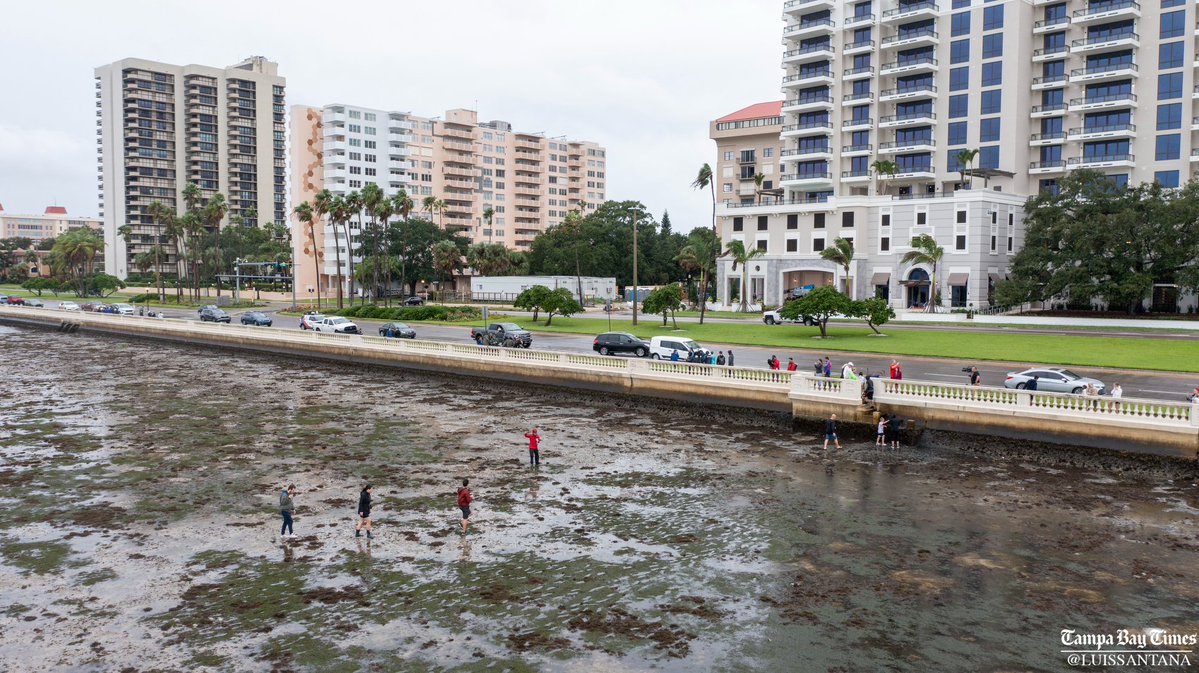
{"x": 138, "y": 530}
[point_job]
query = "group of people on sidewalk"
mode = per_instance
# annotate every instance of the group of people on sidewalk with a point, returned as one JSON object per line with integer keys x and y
{"x": 705, "y": 358}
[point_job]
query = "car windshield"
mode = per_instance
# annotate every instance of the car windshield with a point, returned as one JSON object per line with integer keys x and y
{"x": 691, "y": 345}
{"x": 338, "y": 321}
{"x": 508, "y": 326}
{"x": 122, "y": 305}
{"x": 315, "y": 316}
{"x": 398, "y": 325}
{"x": 255, "y": 315}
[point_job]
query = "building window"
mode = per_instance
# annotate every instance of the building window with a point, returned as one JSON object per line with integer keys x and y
{"x": 818, "y": 221}
{"x": 1169, "y": 55}
{"x": 961, "y": 24}
{"x": 993, "y": 43}
{"x": 728, "y": 156}
{"x": 959, "y": 243}
{"x": 738, "y": 223}
{"x": 762, "y": 244}
{"x": 961, "y": 215}
{"x": 921, "y": 218}
{"x": 1173, "y": 24}
{"x": 1168, "y": 179}
{"x": 792, "y": 245}
{"x": 957, "y": 133}
{"x": 763, "y": 222}
{"x": 959, "y": 51}
{"x": 993, "y": 73}
{"x": 727, "y": 188}
{"x": 988, "y": 157}
{"x": 993, "y": 18}
{"x": 884, "y": 244}
{"x": 767, "y": 152}
{"x": 817, "y": 244}
{"x": 847, "y": 218}
{"x": 1168, "y": 147}
{"x": 1169, "y": 86}
{"x": 959, "y": 78}
{"x": 992, "y": 102}
{"x": 959, "y": 106}
{"x": 1172, "y": 3}
{"x": 884, "y": 220}
{"x": 988, "y": 130}
{"x": 793, "y": 221}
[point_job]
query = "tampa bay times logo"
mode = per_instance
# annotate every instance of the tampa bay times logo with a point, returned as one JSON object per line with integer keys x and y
{"x": 1124, "y": 647}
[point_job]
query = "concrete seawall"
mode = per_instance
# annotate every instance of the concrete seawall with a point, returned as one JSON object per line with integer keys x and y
{"x": 1145, "y": 426}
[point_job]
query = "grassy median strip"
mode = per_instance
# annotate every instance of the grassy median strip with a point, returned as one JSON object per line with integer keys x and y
{"x": 1123, "y": 353}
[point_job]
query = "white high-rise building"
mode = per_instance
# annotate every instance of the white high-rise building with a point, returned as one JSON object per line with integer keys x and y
{"x": 1037, "y": 88}
{"x": 161, "y": 126}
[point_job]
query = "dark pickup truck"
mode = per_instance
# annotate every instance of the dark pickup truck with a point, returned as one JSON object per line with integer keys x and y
{"x": 507, "y": 334}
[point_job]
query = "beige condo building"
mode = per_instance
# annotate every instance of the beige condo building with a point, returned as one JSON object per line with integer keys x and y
{"x": 529, "y": 181}
{"x": 160, "y": 126}
{"x": 52, "y": 223}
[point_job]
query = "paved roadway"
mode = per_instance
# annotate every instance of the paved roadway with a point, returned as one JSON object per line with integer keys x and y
{"x": 1155, "y": 385}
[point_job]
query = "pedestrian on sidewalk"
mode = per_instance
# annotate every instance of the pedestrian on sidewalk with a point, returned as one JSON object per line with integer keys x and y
{"x": 730, "y": 358}
{"x": 818, "y": 366}
{"x": 1092, "y": 395}
{"x": 898, "y": 375}
{"x": 894, "y": 368}
{"x": 534, "y": 450}
{"x": 364, "y": 513}
{"x": 1032, "y": 385}
{"x": 720, "y": 359}
{"x": 828, "y": 367}
{"x": 791, "y": 366}
{"x": 674, "y": 356}
{"x": 287, "y": 507}
{"x": 976, "y": 379}
{"x": 464, "y": 501}
{"x": 830, "y": 432}
{"x": 847, "y": 371}
{"x": 1117, "y": 393}
{"x": 881, "y": 439}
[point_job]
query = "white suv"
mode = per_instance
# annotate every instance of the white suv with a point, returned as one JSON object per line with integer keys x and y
{"x": 336, "y": 325}
{"x": 123, "y": 309}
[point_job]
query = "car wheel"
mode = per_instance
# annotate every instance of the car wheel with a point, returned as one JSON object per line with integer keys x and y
{"x": 656, "y": 356}
{"x": 1076, "y": 391}
{"x": 808, "y": 322}
{"x": 640, "y": 352}
{"x": 769, "y": 320}
{"x": 603, "y": 350}
{"x": 1021, "y": 386}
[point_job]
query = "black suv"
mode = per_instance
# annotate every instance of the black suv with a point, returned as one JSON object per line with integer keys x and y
{"x": 213, "y": 314}
{"x": 610, "y": 343}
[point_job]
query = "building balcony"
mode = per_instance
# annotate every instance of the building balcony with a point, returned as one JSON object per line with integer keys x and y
{"x": 850, "y": 124}
{"x": 1101, "y": 102}
{"x": 399, "y": 166}
{"x": 1195, "y": 123}
{"x": 400, "y": 138}
{"x": 805, "y": 103}
{"x": 859, "y": 20}
{"x": 1047, "y": 25}
{"x": 910, "y": 66}
{"x": 336, "y": 174}
{"x": 1045, "y": 167}
{"x": 904, "y": 146}
{"x": 807, "y": 129}
{"x": 1054, "y": 110}
{"x": 864, "y": 72}
{"x": 806, "y": 6}
{"x": 856, "y": 150}
{"x": 1098, "y": 132}
{"x": 1049, "y": 53}
{"x": 1104, "y": 161}
{"x": 911, "y": 174}
{"x": 1105, "y": 43}
{"x": 809, "y": 78}
{"x": 818, "y": 52}
{"x": 400, "y": 125}
{"x": 910, "y": 119}
{"x": 810, "y": 180}
{"x": 1195, "y": 155}
{"x": 918, "y": 10}
{"x": 862, "y": 47}
{"x": 398, "y": 152}
{"x": 1049, "y": 82}
{"x": 857, "y": 98}
{"x": 452, "y": 132}
{"x": 855, "y": 176}
{"x": 807, "y": 153}
{"x": 915, "y": 38}
{"x": 333, "y": 117}
{"x": 1107, "y": 12}
{"x": 808, "y": 28}
{"x": 1040, "y": 139}
{"x": 1196, "y": 92}
{"x": 1103, "y": 72}
{"x": 908, "y": 92}
{"x": 331, "y": 146}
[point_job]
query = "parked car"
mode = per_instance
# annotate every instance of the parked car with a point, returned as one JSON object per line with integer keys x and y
{"x": 93, "y": 307}
{"x": 611, "y": 343}
{"x": 773, "y": 318}
{"x": 201, "y": 309}
{"x": 797, "y": 292}
{"x": 502, "y": 331}
{"x": 214, "y": 314}
{"x": 256, "y": 318}
{"x": 397, "y": 330}
{"x": 661, "y": 347}
{"x": 68, "y": 306}
{"x": 414, "y": 301}
{"x": 14, "y": 300}
{"x": 1052, "y": 379}
{"x": 123, "y": 309}
{"x": 35, "y": 303}
{"x": 336, "y": 325}
{"x": 311, "y": 319}
{"x": 3, "y": 299}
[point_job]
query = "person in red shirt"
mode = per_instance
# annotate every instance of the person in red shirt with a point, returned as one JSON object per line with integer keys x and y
{"x": 791, "y": 366}
{"x": 894, "y": 368}
{"x": 534, "y": 452}
{"x": 464, "y": 500}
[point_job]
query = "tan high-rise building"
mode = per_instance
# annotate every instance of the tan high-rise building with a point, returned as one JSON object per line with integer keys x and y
{"x": 50, "y": 224}
{"x": 528, "y": 181}
{"x": 161, "y": 126}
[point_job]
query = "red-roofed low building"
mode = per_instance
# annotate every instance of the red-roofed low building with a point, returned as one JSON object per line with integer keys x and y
{"x": 748, "y": 144}
{"x": 50, "y": 224}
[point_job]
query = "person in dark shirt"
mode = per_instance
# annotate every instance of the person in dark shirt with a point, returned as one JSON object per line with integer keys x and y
{"x": 730, "y": 358}
{"x": 364, "y": 513}
{"x": 830, "y": 432}
{"x": 1032, "y": 385}
{"x": 976, "y": 379}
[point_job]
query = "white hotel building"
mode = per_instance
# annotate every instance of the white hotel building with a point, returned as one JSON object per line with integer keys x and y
{"x": 1038, "y": 87}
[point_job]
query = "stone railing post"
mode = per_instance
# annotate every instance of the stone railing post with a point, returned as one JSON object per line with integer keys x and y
{"x": 1195, "y": 412}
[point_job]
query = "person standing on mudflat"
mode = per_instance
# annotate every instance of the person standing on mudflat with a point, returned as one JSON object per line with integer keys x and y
{"x": 830, "y": 432}
{"x": 534, "y": 450}
{"x": 364, "y": 513}
{"x": 464, "y": 501}
{"x": 287, "y": 507}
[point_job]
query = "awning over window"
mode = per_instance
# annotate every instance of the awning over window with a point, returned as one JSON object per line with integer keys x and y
{"x": 882, "y": 278}
{"x": 958, "y": 279}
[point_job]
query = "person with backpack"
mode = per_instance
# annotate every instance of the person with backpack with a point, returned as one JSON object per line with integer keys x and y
{"x": 791, "y": 365}
{"x": 828, "y": 367}
{"x": 534, "y": 452}
{"x": 720, "y": 359}
{"x": 364, "y": 513}
{"x": 464, "y": 501}
{"x": 730, "y": 358}
{"x": 818, "y": 367}
{"x": 287, "y": 507}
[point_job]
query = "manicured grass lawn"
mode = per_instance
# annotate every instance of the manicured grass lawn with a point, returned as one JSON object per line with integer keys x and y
{"x": 1125, "y": 353}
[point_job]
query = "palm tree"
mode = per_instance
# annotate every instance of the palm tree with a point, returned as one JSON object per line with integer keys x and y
{"x": 488, "y": 215}
{"x": 965, "y": 158}
{"x": 161, "y": 214}
{"x": 77, "y": 250}
{"x": 403, "y": 205}
{"x": 440, "y": 207}
{"x": 741, "y": 255}
{"x": 446, "y": 259}
{"x": 699, "y": 255}
{"x": 193, "y": 225}
{"x": 705, "y": 179}
{"x": 758, "y": 179}
{"x": 339, "y": 213}
{"x": 372, "y": 200}
{"x": 883, "y": 167}
{"x": 352, "y": 208}
{"x": 305, "y": 214}
{"x": 926, "y": 251}
{"x": 841, "y": 254}
{"x": 125, "y": 231}
{"x": 215, "y": 211}
{"x": 382, "y": 215}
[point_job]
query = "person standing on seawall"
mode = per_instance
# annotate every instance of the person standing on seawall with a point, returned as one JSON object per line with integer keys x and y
{"x": 534, "y": 451}
{"x": 287, "y": 507}
{"x": 364, "y": 513}
{"x": 464, "y": 501}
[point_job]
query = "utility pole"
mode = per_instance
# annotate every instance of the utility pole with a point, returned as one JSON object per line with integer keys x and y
{"x": 237, "y": 282}
{"x": 634, "y": 268}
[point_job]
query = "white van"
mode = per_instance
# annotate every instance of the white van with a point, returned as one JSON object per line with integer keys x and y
{"x": 660, "y": 347}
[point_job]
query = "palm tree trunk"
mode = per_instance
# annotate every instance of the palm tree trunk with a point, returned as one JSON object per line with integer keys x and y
{"x": 703, "y": 298}
{"x": 337, "y": 252}
{"x": 220, "y": 260}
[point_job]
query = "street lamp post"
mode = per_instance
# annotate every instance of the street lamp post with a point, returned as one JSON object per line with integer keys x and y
{"x": 634, "y": 269}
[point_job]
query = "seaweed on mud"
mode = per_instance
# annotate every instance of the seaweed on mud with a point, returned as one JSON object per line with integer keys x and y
{"x": 533, "y": 641}
{"x": 668, "y": 638}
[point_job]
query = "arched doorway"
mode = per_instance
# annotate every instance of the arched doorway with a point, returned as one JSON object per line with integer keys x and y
{"x": 918, "y": 286}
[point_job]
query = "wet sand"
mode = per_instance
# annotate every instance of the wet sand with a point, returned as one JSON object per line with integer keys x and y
{"x": 139, "y": 530}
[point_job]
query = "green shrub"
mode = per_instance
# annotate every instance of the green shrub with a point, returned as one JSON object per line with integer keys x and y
{"x": 143, "y": 297}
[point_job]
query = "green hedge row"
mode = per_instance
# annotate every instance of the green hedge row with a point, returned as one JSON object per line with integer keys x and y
{"x": 372, "y": 312}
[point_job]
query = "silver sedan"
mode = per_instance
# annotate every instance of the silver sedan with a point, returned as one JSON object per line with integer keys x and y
{"x": 1052, "y": 379}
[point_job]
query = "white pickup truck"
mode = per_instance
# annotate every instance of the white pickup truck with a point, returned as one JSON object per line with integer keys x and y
{"x": 336, "y": 325}
{"x": 773, "y": 318}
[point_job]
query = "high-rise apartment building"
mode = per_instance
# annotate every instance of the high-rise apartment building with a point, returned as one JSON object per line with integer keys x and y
{"x": 529, "y": 182}
{"x": 1037, "y": 87}
{"x": 161, "y": 126}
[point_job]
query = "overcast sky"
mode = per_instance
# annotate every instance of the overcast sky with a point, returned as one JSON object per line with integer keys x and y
{"x": 642, "y": 77}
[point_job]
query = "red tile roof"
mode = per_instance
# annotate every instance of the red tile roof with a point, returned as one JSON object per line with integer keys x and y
{"x": 755, "y": 111}
{"x": 56, "y": 210}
